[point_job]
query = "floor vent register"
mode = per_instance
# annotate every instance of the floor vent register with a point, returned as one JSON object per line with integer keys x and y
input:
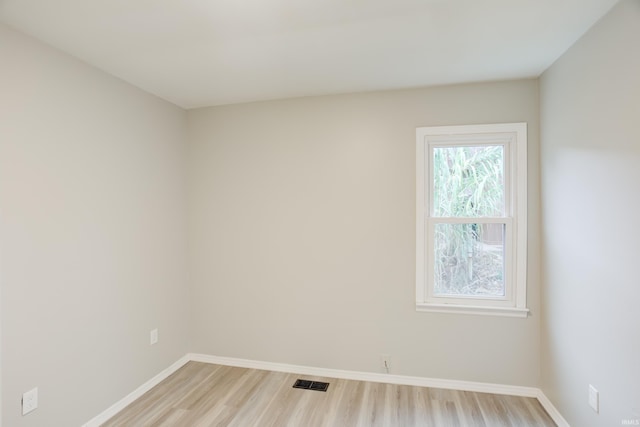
{"x": 311, "y": 385}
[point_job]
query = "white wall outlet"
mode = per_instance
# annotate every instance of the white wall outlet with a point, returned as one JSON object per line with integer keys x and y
{"x": 153, "y": 336}
{"x": 29, "y": 401}
{"x": 385, "y": 362}
{"x": 594, "y": 398}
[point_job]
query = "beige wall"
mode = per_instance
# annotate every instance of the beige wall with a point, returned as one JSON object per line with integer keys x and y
{"x": 302, "y": 235}
{"x": 591, "y": 198}
{"x": 92, "y": 235}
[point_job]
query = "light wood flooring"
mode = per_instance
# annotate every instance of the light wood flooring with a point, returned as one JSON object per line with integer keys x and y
{"x": 202, "y": 394}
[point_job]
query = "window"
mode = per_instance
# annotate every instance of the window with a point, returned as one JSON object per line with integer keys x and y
{"x": 471, "y": 243}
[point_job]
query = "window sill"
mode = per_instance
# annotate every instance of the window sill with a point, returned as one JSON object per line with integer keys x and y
{"x": 471, "y": 309}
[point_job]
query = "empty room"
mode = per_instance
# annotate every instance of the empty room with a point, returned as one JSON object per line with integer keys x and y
{"x": 319, "y": 213}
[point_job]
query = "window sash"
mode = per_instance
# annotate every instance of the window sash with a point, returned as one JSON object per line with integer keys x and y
{"x": 470, "y": 141}
{"x": 429, "y": 283}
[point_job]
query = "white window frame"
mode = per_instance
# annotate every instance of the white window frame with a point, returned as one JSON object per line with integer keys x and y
{"x": 513, "y": 136}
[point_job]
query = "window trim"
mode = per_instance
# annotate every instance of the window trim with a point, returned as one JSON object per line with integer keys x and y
{"x": 514, "y": 138}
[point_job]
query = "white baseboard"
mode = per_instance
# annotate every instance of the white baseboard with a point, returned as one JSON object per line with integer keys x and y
{"x": 553, "y": 412}
{"x": 479, "y": 387}
{"x": 370, "y": 376}
{"x": 124, "y": 402}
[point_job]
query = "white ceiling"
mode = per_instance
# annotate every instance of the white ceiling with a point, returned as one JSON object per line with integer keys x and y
{"x": 198, "y": 53}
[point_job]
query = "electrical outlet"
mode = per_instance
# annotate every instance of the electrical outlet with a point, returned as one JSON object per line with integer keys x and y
{"x": 153, "y": 337}
{"x": 594, "y": 398}
{"x": 29, "y": 401}
{"x": 385, "y": 362}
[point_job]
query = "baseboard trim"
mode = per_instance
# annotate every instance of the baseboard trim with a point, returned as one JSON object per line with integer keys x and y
{"x": 478, "y": 387}
{"x": 124, "y": 402}
{"x": 370, "y": 376}
{"x": 553, "y": 412}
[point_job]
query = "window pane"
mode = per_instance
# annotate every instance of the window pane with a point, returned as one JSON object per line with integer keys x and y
{"x": 468, "y": 181}
{"x": 469, "y": 260}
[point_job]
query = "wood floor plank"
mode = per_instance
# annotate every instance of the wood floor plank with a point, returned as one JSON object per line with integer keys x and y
{"x": 206, "y": 395}
{"x": 250, "y": 413}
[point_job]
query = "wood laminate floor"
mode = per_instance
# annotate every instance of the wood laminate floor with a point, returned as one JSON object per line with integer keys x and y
{"x": 203, "y": 394}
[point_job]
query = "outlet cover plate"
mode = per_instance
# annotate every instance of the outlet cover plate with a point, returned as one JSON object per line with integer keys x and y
{"x": 594, "y": 398}
{"x": 29, "y": 401}
{"x": 153, "y": 337}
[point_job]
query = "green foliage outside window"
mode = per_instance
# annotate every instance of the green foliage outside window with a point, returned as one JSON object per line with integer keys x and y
{"x": 469, "y": 257}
